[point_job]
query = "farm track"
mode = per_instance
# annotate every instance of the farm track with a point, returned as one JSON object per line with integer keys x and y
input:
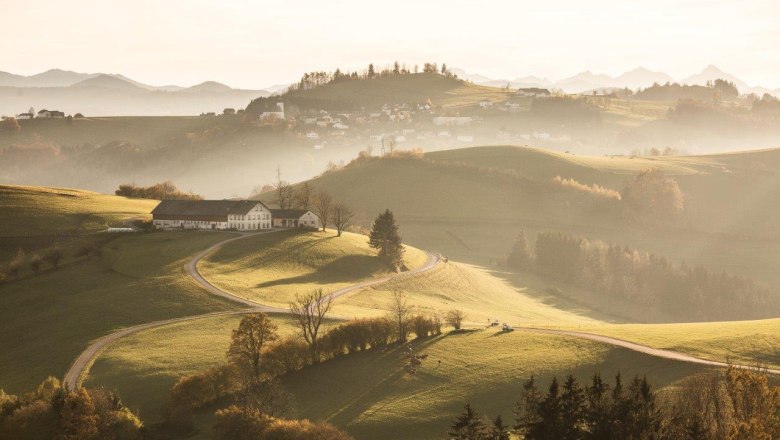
{"x": 84, "y": 360}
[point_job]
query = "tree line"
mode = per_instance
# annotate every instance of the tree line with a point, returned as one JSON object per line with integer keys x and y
{"x": 645, "y": 279}
{"x": 738, "y": 404}
{"x": 258, "y": 356}
{"x": 159, "y": 191}
{"x": 311, "y": 80}
{"x": 52, "y": 258}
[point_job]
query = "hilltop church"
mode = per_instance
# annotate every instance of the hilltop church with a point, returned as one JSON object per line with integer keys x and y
{"x": 239, "y": 215}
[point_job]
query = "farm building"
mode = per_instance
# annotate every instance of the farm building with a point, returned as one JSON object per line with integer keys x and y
{"x": 294, "y": 218}
{"x": 242, "y": 215}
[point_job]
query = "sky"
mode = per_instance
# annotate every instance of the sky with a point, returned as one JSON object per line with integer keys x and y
{"x": 255, "y": 44}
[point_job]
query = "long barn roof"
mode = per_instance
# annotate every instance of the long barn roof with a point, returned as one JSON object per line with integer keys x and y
{"x": 205, "y": 207}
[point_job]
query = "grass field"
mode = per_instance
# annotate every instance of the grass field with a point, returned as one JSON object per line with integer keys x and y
{"x": 272, "y": 268}
{"x": 755, "y": 343}
{"x": 38, "y": 217}
{"x": 370, "y": 394}
{"x": 48, "y": 319}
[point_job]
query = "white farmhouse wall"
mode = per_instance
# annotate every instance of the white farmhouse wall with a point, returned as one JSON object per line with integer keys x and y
{"x": 258, "y": 217}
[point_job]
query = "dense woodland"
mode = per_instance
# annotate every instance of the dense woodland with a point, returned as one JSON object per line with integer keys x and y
{"x": 646, "y": 280}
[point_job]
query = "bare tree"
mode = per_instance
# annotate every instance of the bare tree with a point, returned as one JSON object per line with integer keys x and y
{"x": 322, "y": 207}
{"x": 455, "y": 318}
{"x": 248, "y": 340}
{"x": 303, "y": 196}
{"x": 310, "y": 310}
{"x": 284, "y": 191}
{"x": 400, "y": 311}
{"x": 342, "y": 215}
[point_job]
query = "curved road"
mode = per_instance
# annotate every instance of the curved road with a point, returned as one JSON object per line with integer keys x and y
{"x": 84, "y": 360}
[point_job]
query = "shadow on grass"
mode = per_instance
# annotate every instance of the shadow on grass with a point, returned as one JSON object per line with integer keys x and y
{"x": 604, "y": 309}
{"x": 344, "y": 269}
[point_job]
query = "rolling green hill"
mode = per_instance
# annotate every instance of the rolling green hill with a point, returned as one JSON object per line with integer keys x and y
{"x": 372, "y": 93}
{"x": 272, "y": 268}
{"x": 470, "y": 203}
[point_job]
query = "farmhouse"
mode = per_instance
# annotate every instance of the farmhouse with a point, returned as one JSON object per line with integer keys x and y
{"x": 533, "y": 92}
{"x": 452, "y": 120}
{"x": 295, "y": 218}
{"x": 273, "y": 117}
{"x": 50, "y": 114}
{"x": 242, "y": 215}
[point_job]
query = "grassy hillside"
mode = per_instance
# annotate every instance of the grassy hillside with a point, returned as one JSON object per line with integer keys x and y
{"x": 372, "y": 93}
{"x": 744, "y": 342}
{"x": 48, "y": 319}
{"x": 272, "y": 268}
{"x": 37, "y": 217}
{"x": 470, "y": 203}
{"x": 370, "y": 394}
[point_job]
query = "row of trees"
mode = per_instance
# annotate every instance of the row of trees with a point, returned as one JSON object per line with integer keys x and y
{"x": 35, "y": 263}
{"x": 159, "y": 191}
{"x": 645, "y": 279}
{"x": 304, "y": 196}
{"x": 312, "y": 80}
{"x": 54, "y": 412}
{"x": 737, "y": 404}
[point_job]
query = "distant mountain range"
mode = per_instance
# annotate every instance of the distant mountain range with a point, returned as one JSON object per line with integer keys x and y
{"x": 100, "y": 94}
{"x": 640, "y": 77}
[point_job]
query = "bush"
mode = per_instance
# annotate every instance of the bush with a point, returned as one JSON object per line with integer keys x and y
{"x": 88, "y": 250}
{"x": 235, "y": 423}
{"x": 455, "y": 318}
{"x": 35, "y": 263}
{"x": 53, "y": 257}
{"x": 160, "y": 191}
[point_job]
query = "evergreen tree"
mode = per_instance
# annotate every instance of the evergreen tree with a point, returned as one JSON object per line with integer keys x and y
{"x": 572, "y": 409}
{"x": 598, "y": 409}
{"x": 550, "y": 426}
{"x": 468, "y": 426}
{"x": 644, "y": 418}
{"x": 520, "y": 258}
{"x": 527, "y": 410}
{"x": 384, "y": 237}
{"x": 499, "y": 431}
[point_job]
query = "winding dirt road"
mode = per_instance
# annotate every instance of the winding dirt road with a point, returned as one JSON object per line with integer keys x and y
{"x": 84, "y": 361}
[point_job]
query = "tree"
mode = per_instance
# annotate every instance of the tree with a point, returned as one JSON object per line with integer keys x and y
{"x": 16, "y": 264}
{"x": 35, "y": 263}
{"x": 322, "y": 207}
{"x": 455, "y": 318}
{"x": 78, "y": 420}
{"x": 309, "y": 311}
{"x": 342, "y": 215}
{"x": 284, "y": 192}
{"x": 53, "y": 257}
{"x": 303, "y": 196}
{"x": 572, "y": 409}
{"x": 400, "y": 312}
{"x": 653, "y": 195}
{"x": 384, "y": 237}
{"x": 520, "y": 258}
{"x": 468, "y": 426}
{"x": 10, "y": 125}
{"x": 499, "y": 431}
{"x": 248, "y": 340}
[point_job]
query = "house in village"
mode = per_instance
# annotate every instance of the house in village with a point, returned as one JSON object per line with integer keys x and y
{"x": 25, "y": 116}
{"x": 273, "y": 117}
{"x": 240, "y": 215}
{"x": 295, "y": 218}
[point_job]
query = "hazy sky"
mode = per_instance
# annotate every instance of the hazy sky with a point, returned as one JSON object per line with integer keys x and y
{"x": 253, "y": 44}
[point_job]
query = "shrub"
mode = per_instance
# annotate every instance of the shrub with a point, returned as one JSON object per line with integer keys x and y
{"x": 455, "y": 318}
{"x": 235, "y": 423}
{"x": 160, "y": 191}
{"x": 35, "y": 263}
{"x": 53, "y": 257}
{"x": 88, "y": 250}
